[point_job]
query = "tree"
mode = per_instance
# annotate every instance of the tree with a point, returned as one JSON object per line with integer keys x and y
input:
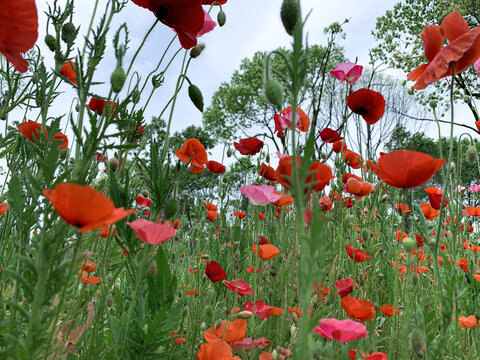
{"x": 400, "y": 45}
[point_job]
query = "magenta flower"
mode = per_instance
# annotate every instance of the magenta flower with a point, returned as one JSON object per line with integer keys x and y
{"x": 239, "y": 286}
{"x": 341, "y": 330}
{"x": 151, "y": 232}
{"x": 475, "y": 188}
{"x": 260, "y": 195}
{"x": 348, "y": 71}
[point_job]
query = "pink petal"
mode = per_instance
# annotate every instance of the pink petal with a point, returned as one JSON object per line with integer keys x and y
{"x": 150, "y": 232}
{"x": 341, "y": 330}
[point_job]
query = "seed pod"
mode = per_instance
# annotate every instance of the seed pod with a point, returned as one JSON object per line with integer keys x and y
{"x": 289, "y": 13}
{"x": 118, "y": 79}
{"x": 196, "y": 96}
{"x": 171, "y": 208}
{"x": 51, "y": 42}
{"x": 274, "y": 93}
{"x": 221, "y": 18}
{"x": 433, "y": 104}
{"x": 69, "y": 33}
{"x": 197, "y": 50}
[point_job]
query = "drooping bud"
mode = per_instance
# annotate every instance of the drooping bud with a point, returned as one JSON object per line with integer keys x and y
{"x": 153, "y": 268}
{"x": 113, "y": 164}
{"x": 267, "y": 158}
{"x": 221, "y": 18}
{"x": 157, "y": 80}
{"x": 289, "y": 13}
{"x": 69, "y": 33}
{"x": 51, "y": 42}
{"x": 109, "y": 300}
{"x": 467, "y": 100}
{"x": 118, "y": 79}
{"x": 197, "y": 50}
{"x": 415, "y": 278}
{"x": 171, "y": 208}
{"x": 77, "y": 107}
{"x": 135, "y": 96}
{"x": 274, "y": 93}
{"x": 471, "y": 154}
{"x": 229, "y": 152}
{"x": 196, "y": 96}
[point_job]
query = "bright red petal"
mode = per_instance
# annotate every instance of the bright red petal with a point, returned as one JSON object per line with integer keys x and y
{"x": 453, "y": 25}
{"x": 432, "y": 39}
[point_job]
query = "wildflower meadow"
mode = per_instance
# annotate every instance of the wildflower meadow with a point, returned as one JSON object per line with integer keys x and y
{"x": 325, "y": 209}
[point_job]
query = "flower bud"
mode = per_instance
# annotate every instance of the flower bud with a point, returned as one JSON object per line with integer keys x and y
{"x": 451, "y": 167}
{"x": 244, "y": 315}
{"x": 289, "y": 14}
{"x": 197, "y": 50}
{"x": 196, "y": 96}
{"x": 51, "y": 42}
{"x": 466, "y": 99}
{"x": 267, "y": 158}
{"x": 274, "y": 93}
{"x": 118, "y": 79}
{"x": 113, "y": 164}
{"x": 208, "y": 310}
{"x": 109, "y": 300}
{"x": 433, "y": 104}
{"x": 153, "y": 268}
{"x": 77, "y": 107}
{"x": 471, "y": 154}
{"x": 203, "y": 327}
{"x": 417, "y": 342}
{"x": 408, "y": 244}
{"x": 69, "y": 33}
{"x": 229, "y": 152}
{"x": 221, "y": 18}
{"x": 135, "y": 96}
{"x": 205, "y": 257}
{"x": 157, "y": 80}
{"x": 64, "y": 153}
{"x": 415, "y": 278}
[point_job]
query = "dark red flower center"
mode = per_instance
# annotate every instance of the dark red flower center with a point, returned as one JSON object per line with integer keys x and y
{"x": 161, "y": 12}
{"x": 362, "y": 111}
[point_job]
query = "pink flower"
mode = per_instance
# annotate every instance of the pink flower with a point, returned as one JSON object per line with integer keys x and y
{"x": 477, "y": 66}
{"x": 260, "y": 195}
{"x": 151, "y": 232}
{"x": 475, "y": 188}
{"x": 208, "y": 25}
{"x": 262, "y": 309}
{"x": 459, "y": 188}
{"x": 247, "y": 343}
{"x": 239, "y": 286}
{"x": 348, "y": 71}
{"x": 143, "y": 201}
{"x": 341, "y": 330}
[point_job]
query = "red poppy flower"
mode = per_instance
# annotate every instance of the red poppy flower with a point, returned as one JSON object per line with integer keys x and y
{"x": 325, "y": 203}
{"x": 352, "y": 159}
{"x": 68, "y": 70}
{"x": 239, "y": 286}
{"x": 429, "y": 212}
{"x": 403, "y": 208}
{"x": 388, "y": 310}
{"x": 473, "y": 211}
{"x": 143, "y": 201}
{"x": 268, "y": 172}
{"x": 341, "y": 330}
{"x": 211, "y": 2}
{"x": 435, "y": 197}
{"x": 249, "y": 146}
{"x": 212, "y": 215}
{"x": 84, "y": 207}
{"x": 31, "y": 128}
{"x": 210, "y": 206}
{"x": 303, "y": 121}
{"x": 267, "y": 251}
{"x": 3, "y": 208}
{"x": 463, "y": 50}
{"x": 19, "y": 31}
{"x": 98, "y": 105}
{"x": 339, "y": 146}
{"x": 107, "y": 230}
{"x": 329, "y": 136}
{"x": 186, "y": 17}
{"x": 228, "y": 331}
{"x": 344, "y": 287}
{"x": 239, "y": 214}
{"x": 367, "y": 103}
{"x": 356, "y": 254}
{"x": 215, "y": 167}
{"x": 405, "y": 168}
{"x": 194, "y": 150}
{"x": 317, "y": 181}
{"x": 215, "y": 272}
{"x": 469, "y": 322}
{"x": 215, "y": 349}
{"x": 358, "y": 309}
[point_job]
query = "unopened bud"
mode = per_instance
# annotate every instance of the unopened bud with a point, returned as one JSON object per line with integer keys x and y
{"x": 408, "y": 244}
{"x": 118, "y": 79}
{"x": 51, "y": 42}
{"x": 157, "y": 80}
{"x": 267, "y": 158}
{"x": 433, "y": 104}
{"x": 208, "y": 310}
{"x": 203, "y": 327}
{"x": 289, "y": 14}
{"x": 417, "y": 342}
{"x": 197, "y": 50}
{"x": 69, "y": 33}
{"x": 109, "y": 300}
{"x": 135, "y": 96}
{"x": 196, "y": 96}
{"x": 153, "y": 269}
{"x": 415, "y": 278}
{"x": 274, "y": 93}
{"x": 244, "y": 315}
{"x": 205, "y": 257}
{"x": 471, "y": 154}
{"x": 229, "y": 152}
{"x": 467, "y": 100}
{"x": 77, "y": 107}
{"x": 221, "y": 18}
{"x": 113, "y": 164}
{"x": 64, "y": 153}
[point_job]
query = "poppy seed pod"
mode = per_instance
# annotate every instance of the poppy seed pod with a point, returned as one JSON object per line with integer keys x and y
{"x": 221, "y": 18}
{"x": 51, "y": 42}
{"x": 197, "y": 50}
{"x": 274, "y": 93}
{"x": 196, "y": 96}
{"x": 289, "y": 14}
{"x": 471, "y": 154}
{"x": 118, "y": 79}
{"x": 433, "y": 104}
{"x": 69, "y": 33}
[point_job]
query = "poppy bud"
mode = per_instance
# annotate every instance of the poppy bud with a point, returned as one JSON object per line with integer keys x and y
{"x": 118, "y": 79}
{"x": 153, "y": 269}
{"x": 203, "y": 327}
{"x": 135, "y": 96}
{"x": 229, "y": 152}
{"x": 415, "y": 278}
{"x": 433, "y": 104}
{"x": 451, "y": 168}
{"x": 205, "y": 257}
{"x": 197, "y": 50}
{"x": 208, "y": 310}
{"x": 471, "y": 154}
{"x": 145, "y": 193}
{"x": 408, "y": 244}
{"x": 51, "y": 42}
{"x": 109, "y": 300}
{"x": 157, "y": 80}
{"x": 171, "y": 208}
{"x": 467, "y": 100}
{"x": 34, "y": 79}
{"x": 289, "y": 13}
{"x": 274, "y": 93}
{"x": 77, "y": 107}
{"x": 244, "y": 315}
{"x": 196, "y": 96}
{"x": 417, "y": 342}
{"x": 365, "y": 234}
{"x": 64, "y": 154}
{"x": 69, "y": 33}
{"x": 221, "y": 18}
{"x": 113, "y": 164}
